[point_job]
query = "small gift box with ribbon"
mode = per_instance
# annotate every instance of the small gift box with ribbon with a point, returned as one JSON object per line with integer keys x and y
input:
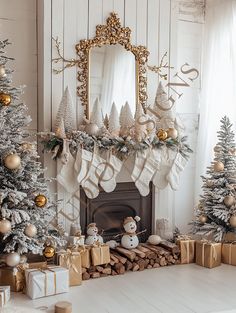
{"x": 72, "y": 261}
{"x": 208, "y": 254}
{"x": 85, "y": 256}
{"x": 46, "y": 282}
{"x": 187, "y": 249}
{"x": 13, "y": 277}
{"x": 4, "y": 295}
{"x": 229, "y": 253}
{"x": 100, "y": 254}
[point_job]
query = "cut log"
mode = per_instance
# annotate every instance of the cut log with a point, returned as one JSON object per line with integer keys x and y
{"x": 135, "y": 267}
{"x": 107, "y": 271}
{"x": 156, "y": 265}
{"x": 99, "y": 268}
{"x": 95, "y": 275}
{"x": 163, "y": 261}
{"x": 128, "y": 253}
{"x": 113, "y": 273}
{"x": 149, "y": 266}
{"x": 114, "y": 258}
{"x": 141, "y": 264}
{"x": 85, "y": 276}
{"x": 172, "y": 247}
{"x": 128, "y": 265}
{"x": 139, "y": 253}
{"x": 143, "y": 249}
{"x": 84, "y": 270}
{"x": 119, "y": 268}
{"x": 120, "y": 258}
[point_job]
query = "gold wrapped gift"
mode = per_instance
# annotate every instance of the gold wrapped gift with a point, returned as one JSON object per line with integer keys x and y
{"x": 72, "y": 261}
{"x": 229, "y": 253}
{"x": 208, "y": 254}
{"x": 85, "y": 255}
{"x": 100, "y": 254}
{"x": 187, "y": 249}
{"x": 13, "y": 277}
{"x": 229, "y": 237}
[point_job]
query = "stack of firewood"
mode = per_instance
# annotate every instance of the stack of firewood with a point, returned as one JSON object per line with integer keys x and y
{"x": 144, "y": 256}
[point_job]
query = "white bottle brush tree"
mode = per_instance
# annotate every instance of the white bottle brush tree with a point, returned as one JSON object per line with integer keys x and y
{"x": 25, "y": 209}
{"x": 216, "y": 211}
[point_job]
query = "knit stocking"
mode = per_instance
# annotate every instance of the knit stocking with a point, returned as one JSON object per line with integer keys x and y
{"x": 174, "y": 173}
{"x": 83, "y": 164}
{"x": 140, "y": 158}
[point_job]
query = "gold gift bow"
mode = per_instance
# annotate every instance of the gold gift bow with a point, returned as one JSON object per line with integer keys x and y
{"x": 67, "y": 257}
{"x": 4, "y": 295}
{"x": 208, "y": 242}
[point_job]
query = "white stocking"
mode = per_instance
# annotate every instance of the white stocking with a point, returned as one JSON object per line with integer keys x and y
{"x": 86, "y": 159}
{"x": 140, "y": 158}
{"x": 177, "y": 167}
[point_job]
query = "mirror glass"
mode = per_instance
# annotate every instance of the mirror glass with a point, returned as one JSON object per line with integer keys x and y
{"x": 112, "y": 77}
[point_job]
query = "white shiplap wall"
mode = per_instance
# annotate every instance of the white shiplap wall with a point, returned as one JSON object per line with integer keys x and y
{"x": 155, "y": 24}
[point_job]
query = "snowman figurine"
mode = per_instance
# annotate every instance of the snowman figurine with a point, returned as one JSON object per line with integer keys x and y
{"x": 92, "y": 235}
{"x": 130, "y": 239}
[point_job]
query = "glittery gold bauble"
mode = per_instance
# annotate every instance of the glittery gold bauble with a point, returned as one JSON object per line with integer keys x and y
{"x": 2, "y": 71}
{"x": 162, "y": 134}
{"x": 218, "y": 166}
{"x": 92, "y": 129}
{"x": 217, "y": 148}
{"x": 49, "y": 252}
{"x": 5, "y": 226}
{"x": 232, "y": 221}
{"x": 5, "y": 99}
{"x": 12, "y": 161}
{"x": 40, "y": 201}
{"x": 30, "y": 230}
{"x": 203, "y": 219}
{"x": 229, "y": 201}
{"x": 172, "y": 133}
{"x": 12, "y": 259}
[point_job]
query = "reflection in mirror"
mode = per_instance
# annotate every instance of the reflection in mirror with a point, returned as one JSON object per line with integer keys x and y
{"x": 112, "y": 77}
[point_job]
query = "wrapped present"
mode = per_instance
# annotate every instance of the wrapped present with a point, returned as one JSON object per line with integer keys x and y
{"x": 4, "y": 295}
{"x": 76, "y": 240}
{"x": 85, "y": 255}
{"x": 14, "y": 277}
{"x": 36, "y": 265}
{"x": 187, "y": 249}
{"x": 100, "y": 254}
{"x": 229, "y": 237}
{"x": 72, "y": 261}
{"x": 229, "y": 253}
{"x": 63, "y": 307}
{"x": 46, "y": 282}
{"x": 208, "y": 254}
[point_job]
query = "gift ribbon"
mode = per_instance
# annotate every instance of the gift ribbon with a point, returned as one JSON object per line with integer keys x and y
{"x": 214, "y": 254}
{"x": 68, "y": 257}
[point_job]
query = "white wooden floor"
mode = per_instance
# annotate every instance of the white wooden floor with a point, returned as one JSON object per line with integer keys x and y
{"x": 176, "y": 289}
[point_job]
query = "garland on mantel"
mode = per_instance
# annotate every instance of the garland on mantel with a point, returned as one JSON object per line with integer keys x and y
{"x": 122, "y": 147}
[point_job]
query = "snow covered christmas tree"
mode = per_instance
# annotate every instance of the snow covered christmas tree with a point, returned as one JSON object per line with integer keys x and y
{"x": 216, "y": 211}
{"x": 25, "y": 209}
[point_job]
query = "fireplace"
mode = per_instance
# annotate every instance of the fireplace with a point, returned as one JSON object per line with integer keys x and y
{"x": 108, "y": 210}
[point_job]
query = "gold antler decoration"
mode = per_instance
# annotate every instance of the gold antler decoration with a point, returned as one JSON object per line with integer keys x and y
{"x": 163, "y": 65}
{"x": 68, "y": 62}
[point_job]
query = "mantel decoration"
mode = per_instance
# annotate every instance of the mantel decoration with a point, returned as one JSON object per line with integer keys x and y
{"x": 112, "y": 133}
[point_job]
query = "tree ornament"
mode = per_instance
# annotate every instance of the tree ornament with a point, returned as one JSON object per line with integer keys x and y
{"x": 218, "y": 166}
{"x": 202, "y": 219}
{"x": 172, "y": 133}
{"x": 232, "y": 221}
{"x": 12, "y": 161}
{"x": 217, "y": 148}
{"x": 232, "y": 151}
{"x": 140, "y": 124}
{"x": 96, "y": 115}
{"x": 154, "y": 239}
{"x": 114, "y": 124}
{"x": 162, "y": 134}
{"x": 91, "y": 129}
{"x": 30, "y": 230}
{"x": 5, "y": 99}
{"x": 126, "y": 120}
{"x": 12, "y": 259}
{"x": 5, "y": 226}
{"x": 49, "y": 252}
{"x": 229, "y": 200}
{"x": 40, "y": 201}
{"x": 2, "y": 71}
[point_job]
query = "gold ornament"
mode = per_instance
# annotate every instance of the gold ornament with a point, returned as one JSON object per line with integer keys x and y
{"x": 40, "y": 201}
{"x": 30, "y": 230}
{"x": 162, "y": 134}
{"x": 49, "y": 252}
{"x": 5, "y": 226}
{"x": 27, "y": 146}
{"x": 217, "y": 148}
{"x": 232, "y": 221}
{"x": 172, "y": 133}
{"x": 232, "y": 151}
{"x": 12, "y": 161}
{"x": 202, "y": 219}
{"x": 5, "y": 99}
{"x": 91, "y": 129}
{"x": 2, "y": 71}
{"x": 218, "y": 166}
{"x": 12, "y": 259}
{"x": 229, "y": 200}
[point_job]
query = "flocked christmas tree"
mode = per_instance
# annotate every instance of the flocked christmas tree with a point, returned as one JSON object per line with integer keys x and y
{"x": 25, "y": 209}
{"x": 216, "y": 211}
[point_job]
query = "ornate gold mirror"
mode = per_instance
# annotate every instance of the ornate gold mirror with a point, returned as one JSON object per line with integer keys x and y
{"x": 111, "y": 69}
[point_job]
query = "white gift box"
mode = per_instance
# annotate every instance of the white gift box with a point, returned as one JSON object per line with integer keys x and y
{"x": 46, "y": 282}
{"x": 4, "y": 295}
{"x": 76, "y": 240}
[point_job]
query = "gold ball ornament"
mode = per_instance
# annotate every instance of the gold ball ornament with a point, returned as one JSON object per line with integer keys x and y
{"x": 5, "y": 99}
{"x": 40, "y": 201}
{"x": 162, "y": 134}
{"x": 229, "y": 200}
{"x": 12, "y": 161}
{"x": 217, "y": 148}
{"x": 5, "y": 226}
{"x": 49, "y": 252}
{"x": 232, "y": 151}
{"x": 172, "y": 133}
{"x": 218, "y": 166}
{"x": 2, "y": 71}
{"x": 202, "y": 219}
{"x": 232, "y": 221}
{"x": 30, "y": 230}
{"x": 12, "y": 259}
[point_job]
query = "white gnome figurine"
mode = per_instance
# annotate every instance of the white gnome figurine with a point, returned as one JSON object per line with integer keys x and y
{"x": 130, "y": 239}
{"x": 92, "y": 235}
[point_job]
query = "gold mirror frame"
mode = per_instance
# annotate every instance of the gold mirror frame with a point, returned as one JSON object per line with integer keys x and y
{"x": 110, "y": 34}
